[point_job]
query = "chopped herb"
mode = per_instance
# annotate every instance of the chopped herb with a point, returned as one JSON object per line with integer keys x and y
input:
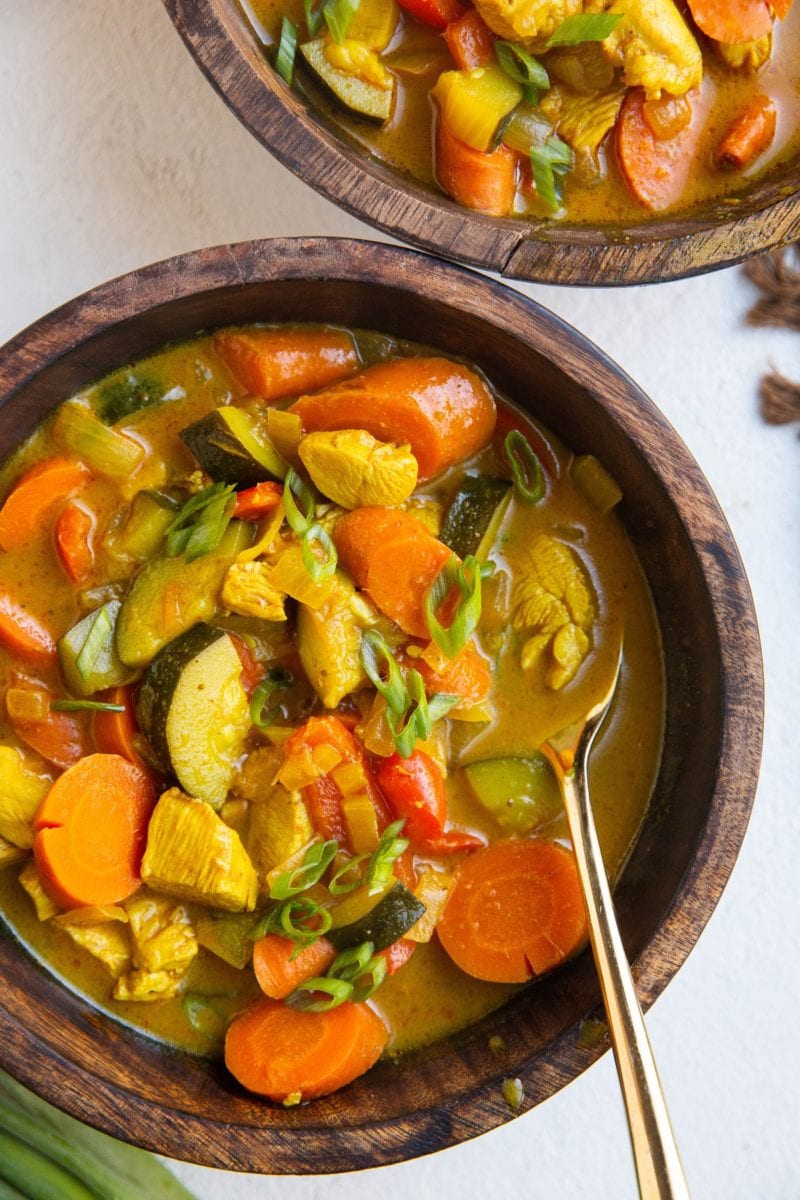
{"x": 98, "y": 637}
{"x": 359, "y": 966}
{"x": 199, "y": 526}
{"x": 319, "y": 552}
{"x": 204, "y": 1016}
{"x": 303, "y": 997}
{"x": 85, "y": 706}
{"x": 340, "y": 884}
{"x": 276, "y": 678}
{"x": 549, "y": 164}
{"x": 523, "y": 69}
{"x": 287, "y": 49}
{"x": 375, "y": 653}
{"x": 314, "y": 16}
{"x": 316, "y": 861}
{"x": 466, "y": 577}
{"x": 339, "y": 16}
{"x": 525, "y": 467}
{"x": 381, "y": 862}
{"x": 585, "y": 27}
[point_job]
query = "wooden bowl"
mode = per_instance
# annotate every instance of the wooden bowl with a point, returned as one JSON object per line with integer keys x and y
{"x": 58, "y": 1044}
{"x": 316, "y": 148}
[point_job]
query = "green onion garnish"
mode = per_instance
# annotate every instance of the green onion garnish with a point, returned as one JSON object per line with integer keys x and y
{"x": 340, "y": 883}
{"x": 316, "y": 861}
{"x": 303, "y": 908}
{"x": 336, "y": 990}
{"x": 319, "y": 552}
{"x": 585, "y": 27}
{"x": 375, "y": 653}
{"x": 199, "y": 526}
{"x": 314, "y": 16}
{"x": 549, "y": 164}
{"x": 525, "y": 467}
{"x": 466, "y": 577}
{"x": 382, "y": 860}
{"x": 287, "y": 49}
{"x": 98, "y": 638}
{"x": 356, "y": 966}
{"x": 410, "y": 715}
{"x": 85, "y": 706}
{"x": 276, "y": 678}
{"x": 339, "y": 16}
{"x": 523, "y": 69}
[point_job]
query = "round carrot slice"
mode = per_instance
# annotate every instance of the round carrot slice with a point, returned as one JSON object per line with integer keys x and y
{"x": 90, "y": 831}
{"x": 516, "y": 911}
{"x": 655, "y": 169}
{"x": 732, "y": 21}
{"x": 279, "y": 1052}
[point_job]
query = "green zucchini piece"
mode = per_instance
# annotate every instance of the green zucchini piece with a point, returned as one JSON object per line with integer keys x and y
{"x": 231, "y": 449}
{"x": 520, "y": 793}
{"x": 479, "y": 504}
{"x": 169, "y": 595}
{"x": 194, "y": 712}
{"x": 103, "y": 667}
{"x": 127, "y": 394}
{"x": 362, "y": 98}
{"x": 151, "y": 514}
{"x": 227, "y": 935}
{"x": 391, "y": 917}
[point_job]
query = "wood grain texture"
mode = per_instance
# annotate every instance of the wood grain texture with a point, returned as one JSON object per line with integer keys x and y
{"x": 309, "y": 141}
{"x": 185, "y": 1107}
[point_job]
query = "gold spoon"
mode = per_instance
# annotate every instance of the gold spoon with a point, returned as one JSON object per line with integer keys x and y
{"x": 658, "y": 1166}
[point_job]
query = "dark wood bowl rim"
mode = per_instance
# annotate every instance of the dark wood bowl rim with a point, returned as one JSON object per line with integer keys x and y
{"x": 123, "y": 1112}
{"x": 715, "y": 235}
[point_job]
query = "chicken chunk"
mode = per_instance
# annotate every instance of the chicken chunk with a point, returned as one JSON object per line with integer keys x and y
{"x": 22, "y": 789}
{"x": 653, "y": 45}
{"x": 31, "y": 881}
{"x": 582, "y": 121}
{"x": 552, "y": 603}
{"x": 161, "y": 932}
{"x": 527, "y": 20}
{"x": 109, "y": 942}
{"x": 353, "y": 468}
{"x": 247, "y": 590}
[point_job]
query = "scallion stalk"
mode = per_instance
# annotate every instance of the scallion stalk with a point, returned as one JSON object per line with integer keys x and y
{"x": 525, "y": 467}
{"x": 287, "y": 49}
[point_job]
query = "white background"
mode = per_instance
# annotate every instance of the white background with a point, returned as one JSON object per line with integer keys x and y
{"x": 115, "y": 153}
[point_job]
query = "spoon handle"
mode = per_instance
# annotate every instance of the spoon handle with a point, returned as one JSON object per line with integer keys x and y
{"x": 658, "y": 1166}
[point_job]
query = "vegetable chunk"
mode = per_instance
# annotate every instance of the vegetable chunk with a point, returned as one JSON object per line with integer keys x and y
{"x": 193, "y": 855}
{"x": 526, "y": 20}
{"x": 274, "y": 363}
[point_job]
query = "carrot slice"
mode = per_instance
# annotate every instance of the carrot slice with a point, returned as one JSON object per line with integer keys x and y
{"x": 781, "y": 8}
{"x": 655, "y": 169}
{"x": 274, "y": 363}
{"x": 516, "y": 911}
{"x": 470, "y": 41}
{"x": 484, "y": 182}
{"x": 394, "y": 557}
{"x": 278, "y": 1052}
{"x": 114, "y": 732}
{"x": 73, "y": 534}
{"x": 58, "y": 736}
{"x": 90, "y": 831}
{"x": 24, "y": 512}
{"x": 749, "y": 135}
{"x": 278, "y": 974}
{"x": 23, "y": 635}
{"x": 467, "y": 675}
{"x": 732, "y": 21}
{"x": 441, "y": 408}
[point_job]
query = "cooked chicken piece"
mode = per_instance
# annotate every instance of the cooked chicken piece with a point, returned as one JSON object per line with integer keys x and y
{"x": 22, "y": 789}
{"x": 247, "y": 590}
{"x": 552, "y": 604}
{"x": 527, "y": 20}
{"x": 31, "y": 881}
{"x": 653, "y": 45}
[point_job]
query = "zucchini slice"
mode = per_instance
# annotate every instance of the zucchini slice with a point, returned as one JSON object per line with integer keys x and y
{"x": 521, "y": 793}
{"x": 231, "y": 449}
{"x": 103, "y": 669}
{"x": 392, "y": 916}
{"x": 361, "y": 98}
{"x": 194, "y": 712}
{"x": 475, "y": 508}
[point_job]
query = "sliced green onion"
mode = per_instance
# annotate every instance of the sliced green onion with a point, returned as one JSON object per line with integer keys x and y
{"x": 287, "y": 49}
{"x": 85, "y": 706}
{"x": 523, "y": 69}
{"x": 416, "y": 724}
{"x": 276, "y": 678}
{"x": 339, "y": 884}
{"x": 304, "y": 909}
{"x": 356, "y": 966}
{"x": 467, "y": 578}
{"x": 199, "y": 526}
{"x": 525, "y": 467}
{"x": 585, "y": 27}
{"x": 315, "y": 863}
{"x": 375, "y": 972}
{"x": 375, "y": 653}
{"x": 299, "y": 518}
{"x": 314, "y": 16}
{"x": 549, "y": 164}
{"x": 337, "y": 991}
{"x": 382, "y": 859}
{"x": 319, "y": 553}
{"x": 100, "y": 633}
{"x": 339, "y": 16}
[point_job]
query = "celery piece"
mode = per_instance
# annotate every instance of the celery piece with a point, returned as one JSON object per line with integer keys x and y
{"x": 521, "y": 793}
{"x": 88, "y": 655}
{"x": 104, "y": 450}
{"x": 595, "y": 484}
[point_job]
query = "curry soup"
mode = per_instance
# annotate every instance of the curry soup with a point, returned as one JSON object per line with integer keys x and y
{"x": 285, "y": 615}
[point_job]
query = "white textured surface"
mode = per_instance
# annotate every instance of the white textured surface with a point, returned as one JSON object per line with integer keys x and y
{"x": 117, "y": 153}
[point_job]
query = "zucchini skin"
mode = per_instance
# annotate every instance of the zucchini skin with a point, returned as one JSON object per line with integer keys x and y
{"x": 392, "y": 916}
{"x": 227, "y": 459}
{"x": 160, "y": 682}
{"x": 471, "y": 511}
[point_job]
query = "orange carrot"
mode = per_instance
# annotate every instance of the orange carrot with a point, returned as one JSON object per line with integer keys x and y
{"x": 256, "y": 502}
{"x": 655, "y": 169}
{"x": 278, "y": 974}
{"x": 516, "y": 911}
{"x": 732, "y": 21}
{"x": 467, "y": 675}
{"x": 58, "y": 736}
{"x": 474, "y": 179}
{"x": 23, "y": 514}
{"x": 90, "y": 831}
{"x": 749, "y": 135}
{"x": 393, "y": 557}
{"x": 23, "y": 635}
{"x": 273, "y": 363}
{"x": 278, "y": 1052}
{"x": 470, "y": 41}
{"x": 114, "y": 732}
{"x": 73, "y": 534}
{"x": 441, "y": 408}
{"x": 781, "y": 8}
